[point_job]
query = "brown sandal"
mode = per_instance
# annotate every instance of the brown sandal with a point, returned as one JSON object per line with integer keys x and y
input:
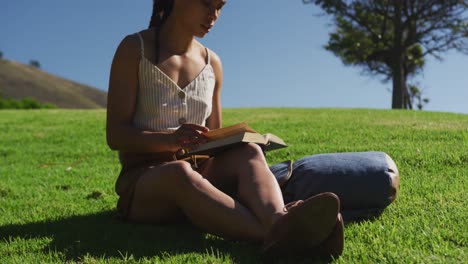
{"x": 306, "y": 225}
{"x": 334, "y": 244}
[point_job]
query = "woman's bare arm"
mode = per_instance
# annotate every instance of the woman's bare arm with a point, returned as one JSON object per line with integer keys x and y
{"x": 215, "y": 119}
{"x": 121, "y": 102}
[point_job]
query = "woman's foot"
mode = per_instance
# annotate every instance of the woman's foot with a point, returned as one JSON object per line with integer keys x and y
{"x": 334, "y": 244}
{"x": 306, "y": 225}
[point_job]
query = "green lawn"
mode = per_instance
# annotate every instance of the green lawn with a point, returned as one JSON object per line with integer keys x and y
{"x": 57, "y": 200}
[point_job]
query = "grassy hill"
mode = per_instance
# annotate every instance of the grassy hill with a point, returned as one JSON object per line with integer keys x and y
{"x": 57, "y": 197}
{"x": 18, "y": 81}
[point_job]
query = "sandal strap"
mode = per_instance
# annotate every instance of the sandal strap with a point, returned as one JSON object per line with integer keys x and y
{"x": 289, "y": 206}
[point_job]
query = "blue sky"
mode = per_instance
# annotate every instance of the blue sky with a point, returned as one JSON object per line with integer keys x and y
{"x": 272, "y": 52}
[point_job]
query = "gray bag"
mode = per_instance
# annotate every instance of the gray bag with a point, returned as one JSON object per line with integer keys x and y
{"x": 365, "y": 182}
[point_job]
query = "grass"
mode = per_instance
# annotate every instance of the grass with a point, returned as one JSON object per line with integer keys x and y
{"x": 57, "y": 200}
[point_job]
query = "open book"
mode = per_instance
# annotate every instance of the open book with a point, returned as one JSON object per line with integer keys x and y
{"x": 223, "y": 138}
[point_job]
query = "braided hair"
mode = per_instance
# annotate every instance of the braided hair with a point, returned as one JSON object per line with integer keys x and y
{"x": 161, "y": 11}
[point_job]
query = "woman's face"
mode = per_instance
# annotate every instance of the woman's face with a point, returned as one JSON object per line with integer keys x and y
{"x": 198, "y": 16}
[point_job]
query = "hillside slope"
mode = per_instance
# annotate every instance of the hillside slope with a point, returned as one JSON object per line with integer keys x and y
{"x": 18, "y": 81}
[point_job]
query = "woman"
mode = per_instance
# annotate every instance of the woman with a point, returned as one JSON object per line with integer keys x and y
{"x": 164, "y": 92}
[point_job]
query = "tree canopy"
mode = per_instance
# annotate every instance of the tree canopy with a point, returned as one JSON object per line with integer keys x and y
{"x": 35, "y": 63}
{"x": 392, "y": 38}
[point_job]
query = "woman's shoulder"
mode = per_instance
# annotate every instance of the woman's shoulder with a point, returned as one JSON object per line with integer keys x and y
{"x": 130, "y": 42}
{"x": 146, "y": 34}
{"x": 133, "y": 39}
{"x": 129, "y": 48}
{"x": 215, "y": 60}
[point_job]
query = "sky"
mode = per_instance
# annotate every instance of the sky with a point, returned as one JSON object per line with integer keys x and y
{"x": 272, "y": 52}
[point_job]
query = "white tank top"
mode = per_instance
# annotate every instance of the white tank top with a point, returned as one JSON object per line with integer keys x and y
{"x": 163, "y": 106}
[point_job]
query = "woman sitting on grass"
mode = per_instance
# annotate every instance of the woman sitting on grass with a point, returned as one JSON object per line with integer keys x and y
{"x": 164, "y": 92}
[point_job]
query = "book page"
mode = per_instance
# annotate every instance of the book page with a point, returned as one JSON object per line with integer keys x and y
{"x": 274, "y": 142}
{"x": 228, "y": 131}
{"x": 224, "y": 138}
{"x": 242, "y": 137}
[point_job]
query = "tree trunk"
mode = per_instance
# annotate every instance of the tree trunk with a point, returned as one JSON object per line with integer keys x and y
{"x": 399, "y": 89}
{"x": 409, "y": 97}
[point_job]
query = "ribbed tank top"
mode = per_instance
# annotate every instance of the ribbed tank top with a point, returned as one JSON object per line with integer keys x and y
{"x": 163, "y": 106}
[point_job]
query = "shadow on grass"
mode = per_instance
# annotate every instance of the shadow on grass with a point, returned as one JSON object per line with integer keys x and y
{"x": 103, "y": 235}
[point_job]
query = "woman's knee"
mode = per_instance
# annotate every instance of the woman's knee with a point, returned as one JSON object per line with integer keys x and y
{"x": 183, "y": 175}
{"x": 252, "y": 151}
{"x": 179, "y": 167}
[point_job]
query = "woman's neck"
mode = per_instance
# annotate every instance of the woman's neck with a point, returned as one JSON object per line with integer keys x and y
{"x": 174, "y": 39}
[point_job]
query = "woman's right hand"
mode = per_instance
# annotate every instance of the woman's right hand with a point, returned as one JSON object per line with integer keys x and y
{"x": 188, "y": 136}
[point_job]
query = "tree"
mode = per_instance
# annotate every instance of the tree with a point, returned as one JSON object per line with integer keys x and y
{"x": 415, "y": 96}
{"x": 1, "y": 55}
{"x": 392, "y": 38}
{"x": 35, "y": 63}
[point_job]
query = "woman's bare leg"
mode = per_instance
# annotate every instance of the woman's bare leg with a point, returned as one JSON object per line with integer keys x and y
{"x": 165, "y": 189}
{"x": 245, "y": 168}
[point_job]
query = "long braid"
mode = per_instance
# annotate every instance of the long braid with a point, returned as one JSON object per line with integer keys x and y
{"x": 161, "y": 11}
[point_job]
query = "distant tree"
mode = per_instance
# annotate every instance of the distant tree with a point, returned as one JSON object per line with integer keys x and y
{"x": 30, "y": 103}
{"x": 393, "y": 37}
{"x": 35, "y": 63}
{"x": 416, "y": 97}
{"x": 1, "y": 55}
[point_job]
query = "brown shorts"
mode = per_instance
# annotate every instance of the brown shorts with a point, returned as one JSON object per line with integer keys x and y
{"x": 129, "y": 176}
{"x": 125, "y": 187}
